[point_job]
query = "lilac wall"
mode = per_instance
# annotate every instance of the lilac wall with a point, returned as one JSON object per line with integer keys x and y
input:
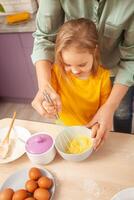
{"x": 17, "y": 74}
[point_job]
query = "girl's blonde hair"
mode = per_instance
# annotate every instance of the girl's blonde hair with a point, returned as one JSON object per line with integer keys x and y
{"x": 80, "y": 33}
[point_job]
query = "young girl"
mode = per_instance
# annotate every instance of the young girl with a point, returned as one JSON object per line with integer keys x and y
{"x": 77, "y": 76}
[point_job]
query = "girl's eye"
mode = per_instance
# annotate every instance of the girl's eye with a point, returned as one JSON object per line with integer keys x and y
{"x": 82, "y": 65}
{"x": 68, "y": 65}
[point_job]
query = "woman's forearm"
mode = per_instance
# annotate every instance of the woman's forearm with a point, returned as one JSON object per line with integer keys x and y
{"x": 43, "y": 71}
{"x": 116, "y": 95}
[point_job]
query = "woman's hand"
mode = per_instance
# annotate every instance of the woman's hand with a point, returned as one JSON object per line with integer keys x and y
{"x": 103, "y": 119}
{"x": 101, "y": 124}
{"x": 45, "y": 108}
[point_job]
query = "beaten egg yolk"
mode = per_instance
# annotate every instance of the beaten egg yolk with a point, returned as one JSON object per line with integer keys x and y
{"x": 79, "y": 144}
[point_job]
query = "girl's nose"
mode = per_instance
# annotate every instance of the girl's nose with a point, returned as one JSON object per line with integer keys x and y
{"x": 75, "y": 70}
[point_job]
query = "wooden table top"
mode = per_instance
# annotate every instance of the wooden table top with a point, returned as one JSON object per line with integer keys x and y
{"x": 102, "y": 175}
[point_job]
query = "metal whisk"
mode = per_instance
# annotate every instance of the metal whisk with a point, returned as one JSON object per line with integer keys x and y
{"x": 70, "y": 133}
{"x": 65, "y": 140}
{"x": 49, "y": 100}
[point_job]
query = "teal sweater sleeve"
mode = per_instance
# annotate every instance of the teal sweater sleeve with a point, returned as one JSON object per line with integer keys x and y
{"x": 125, "y": 73}
{"x": 49, "y": 18}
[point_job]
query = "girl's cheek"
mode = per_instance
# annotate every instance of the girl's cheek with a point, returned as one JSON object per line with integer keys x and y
{"x": 67, "y": 69}
{"x": 87, "y": 69}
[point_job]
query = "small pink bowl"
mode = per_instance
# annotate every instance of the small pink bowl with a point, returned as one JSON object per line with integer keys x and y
{"x": 40, "y": 148}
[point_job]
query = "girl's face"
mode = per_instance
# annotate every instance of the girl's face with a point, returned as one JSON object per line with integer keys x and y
{"x": 76, "y": 62}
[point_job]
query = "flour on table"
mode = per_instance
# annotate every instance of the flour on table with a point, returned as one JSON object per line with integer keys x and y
{"x": 92, "y": 188}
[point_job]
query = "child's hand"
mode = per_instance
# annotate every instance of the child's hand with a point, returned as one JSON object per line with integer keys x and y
{"x": 50, "y": 104}
{"x": 45, "y": 108}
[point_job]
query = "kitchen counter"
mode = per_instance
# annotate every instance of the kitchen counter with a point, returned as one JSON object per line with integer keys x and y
{"x": 22, "y": 27}
{"x": 106, "y": 172}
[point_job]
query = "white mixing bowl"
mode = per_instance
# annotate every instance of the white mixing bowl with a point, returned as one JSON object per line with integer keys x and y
{"x": 67, "y": 135}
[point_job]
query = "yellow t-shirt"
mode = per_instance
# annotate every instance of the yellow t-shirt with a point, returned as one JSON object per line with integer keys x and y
{"x": 81, "y": 98}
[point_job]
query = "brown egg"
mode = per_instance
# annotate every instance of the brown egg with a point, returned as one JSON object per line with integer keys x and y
{"x": 20, "y": 195}
{"x": 31, "y": 185}
{"x": 45, "y": 182}
{"x": 34, "y": 173}
{"x": 6, "y": 194}
{"x": 41, "y": 194}
{"x": 30, "y": 198}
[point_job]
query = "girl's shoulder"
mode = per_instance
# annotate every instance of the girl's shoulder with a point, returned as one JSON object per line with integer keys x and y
{"x": 55, "y": 69}
{"x": 57, "y": 72}
{"x": 103, "y": 71}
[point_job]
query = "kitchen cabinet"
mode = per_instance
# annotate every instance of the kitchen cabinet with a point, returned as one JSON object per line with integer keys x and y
{"x": 17, "y": 73}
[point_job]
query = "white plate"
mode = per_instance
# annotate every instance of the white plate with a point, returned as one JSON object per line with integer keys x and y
{"x": 18, "y": 179}
{"x": 126, "y": 194}
{"x": 18, "y": 137}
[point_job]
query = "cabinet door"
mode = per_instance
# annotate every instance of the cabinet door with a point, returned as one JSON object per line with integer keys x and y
{"x": 27, "y": 46}
{"x": 15, "y": 81}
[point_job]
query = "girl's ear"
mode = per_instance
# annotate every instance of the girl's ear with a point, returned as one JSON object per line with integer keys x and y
{"x": 96, "y": 51}
{"x": 96, "y": 48}
{"x": 96, "y": 56}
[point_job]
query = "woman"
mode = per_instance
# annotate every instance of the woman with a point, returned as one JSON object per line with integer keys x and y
{"x": 115, "y": 23}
